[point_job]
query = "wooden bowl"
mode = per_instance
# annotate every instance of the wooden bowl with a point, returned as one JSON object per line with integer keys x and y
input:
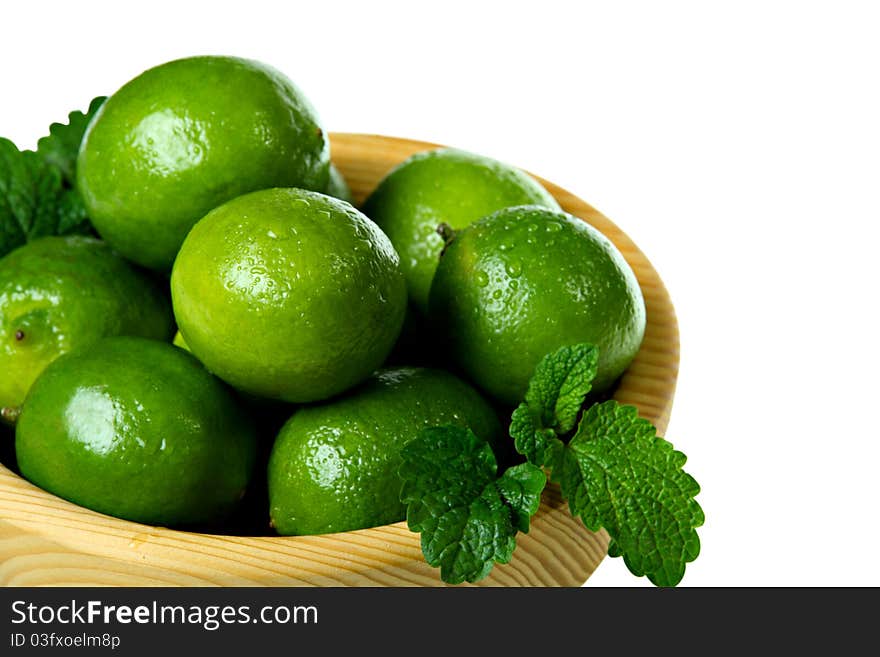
{"x": 45, "y": 540}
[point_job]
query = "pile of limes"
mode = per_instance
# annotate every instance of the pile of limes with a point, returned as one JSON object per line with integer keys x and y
{"x": 241, "y": 341}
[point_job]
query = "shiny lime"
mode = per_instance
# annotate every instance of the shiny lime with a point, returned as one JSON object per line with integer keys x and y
{"x": 61, "y": 293}
{"x": 186, "y": 136}
{"x": 525, "y": 281}
{"x": 178, "y": 341}
{"x": 443, "y": 186}
{"x": 334, "y": 466}
{"x": 136, "y": 429}
{"x": 288, "y": 294}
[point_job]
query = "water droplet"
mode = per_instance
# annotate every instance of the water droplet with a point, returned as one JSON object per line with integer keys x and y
{"x": 532, "y": 228}
{"x": 513, "y": 268}
{"x": 554, "y": 227}
{"x": 481, "y": 278}
{"x": 496, "y": 294}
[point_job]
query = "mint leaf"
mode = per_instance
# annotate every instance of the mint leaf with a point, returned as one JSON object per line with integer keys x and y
{"x": 33, "y": 200}
{"x": 61, "y": 146}
{"x": 467, "y": 515}
{"x": 37, "y": 193}
{"x": 529, "y": 437}
{"x": 560, "y": 384}
{"x": 521, "y": 487}
{"x": 615, "y": 472}
{"x": 29, "y": 190}
{"x": 70, "y": 211}
{"x": 555, "y": 395}
{"x": 618, "y": 474}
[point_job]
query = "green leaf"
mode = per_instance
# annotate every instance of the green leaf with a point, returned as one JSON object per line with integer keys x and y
{"x": 618, "y": 474}
{"x": 521, "y": 486}
{"x": 554, "y": 398}
{"x": 29, "y": 191}
{"x": 37, "y": 193}
{"x": 467, "y": 515}
{"x": 71, "y": 214}
{"x": 61, "y": 146}
{"x": 560, "y": 384}
{"x": 615, "y": 472}
{"x": 529, "y": 437}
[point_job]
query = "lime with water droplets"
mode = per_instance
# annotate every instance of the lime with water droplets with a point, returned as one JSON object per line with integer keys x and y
{"x": 525, "y": 281}
{"x": 58, "y": 294}
{"x": 288, "y": 294}
{"x": 334, "y": 466}
{"x": 443, "y": 186}
{"x": 137, "y": 429}
{"x": 186, "y": 136}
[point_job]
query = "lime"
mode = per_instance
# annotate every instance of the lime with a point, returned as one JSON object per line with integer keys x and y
{"x": 61, "y": 293}
{"x": 288, "y": 294}
{"x": 444, "y": 186}
{"x": 525, "y": 281}
{"x": 136, "y": 429}
{"x": 186, "y": 136}
{"x": 334, "y": 466}
{"x": 178, "y": 341}
{"x": 268, "y": 414}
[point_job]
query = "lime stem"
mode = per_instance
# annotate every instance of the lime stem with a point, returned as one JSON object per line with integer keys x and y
{"x": 447, "y": 232}
{"x": 9, "y": 414}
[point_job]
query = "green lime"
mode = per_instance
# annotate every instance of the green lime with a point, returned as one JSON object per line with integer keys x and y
{"x": 337, "y": 187}
{"x": 333, "y": 467}
{"x": 186, "y": 136}
{"x": 525, "y": 281}
{"x": 288, "y": 294}
{"x": 61, "y": 293}
{"x": 444, "y": 186}
{"x": 178, "y": 341}
{"x": 268, "y": 414}
{"x": 136, "y": 429}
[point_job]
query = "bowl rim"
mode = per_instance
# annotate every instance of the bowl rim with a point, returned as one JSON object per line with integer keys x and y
{"x": 74, "y": 545}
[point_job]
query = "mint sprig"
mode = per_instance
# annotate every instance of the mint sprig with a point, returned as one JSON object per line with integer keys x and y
{"x": 554, "y": 398}
{"x": 61, "y": 146}
{"x": 468, "y": 516}
{"x": 614, "y": 471}
{"x": 618, "y": 474}
{"x": 37, "y": 193}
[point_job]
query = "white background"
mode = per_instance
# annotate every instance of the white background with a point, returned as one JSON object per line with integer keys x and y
{"x": 737, "y": 143}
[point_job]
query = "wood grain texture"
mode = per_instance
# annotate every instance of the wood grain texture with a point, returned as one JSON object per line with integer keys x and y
{"x": 46, "y": 541}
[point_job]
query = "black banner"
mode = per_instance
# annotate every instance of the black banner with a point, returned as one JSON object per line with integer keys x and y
{"x": 380, "y": 621}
